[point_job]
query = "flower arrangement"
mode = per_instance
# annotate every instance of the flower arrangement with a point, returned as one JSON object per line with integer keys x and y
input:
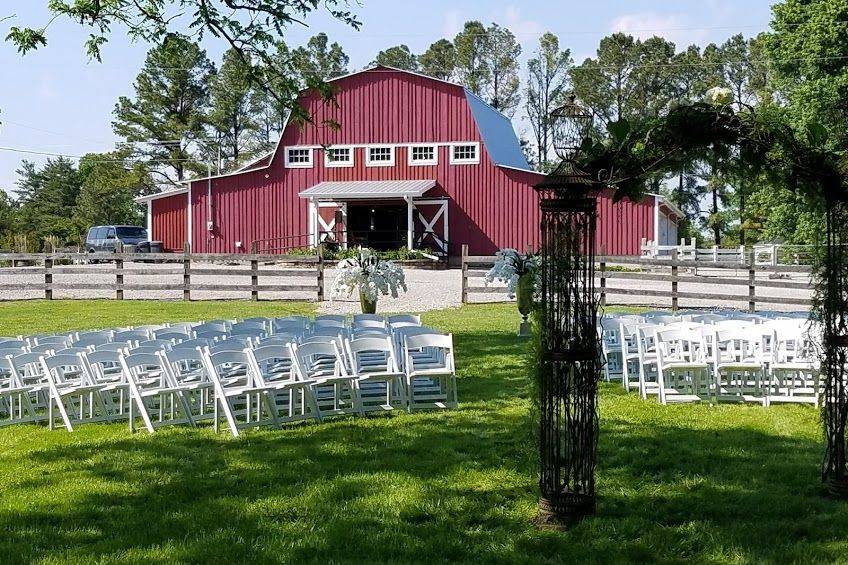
{"x": 510, "y": 265}
{"x": 372, "y": 275}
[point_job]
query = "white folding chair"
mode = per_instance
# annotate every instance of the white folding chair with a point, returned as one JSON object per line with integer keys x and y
{"x": 16, "y": 406}
{"x": 647, "y": 352}
{"x": 187, "y": 370}
{"x": 245, "y": 402}
{"x": 739, "y": 371}
{"x": 152, "y": 393}
{"x": 104, "y": 369}
{"x": 627, "y": 338}
{"x": 430, "y": 379}
{"x": 70, "y": 389}
{"x": 794, "y": 368}
{"x": 291, "y": 391}
{"x": 373, "y": 362}
{"x": 682, "y": 370}
{"x": 609, "y": 334}
{"x": 336, "y": 390}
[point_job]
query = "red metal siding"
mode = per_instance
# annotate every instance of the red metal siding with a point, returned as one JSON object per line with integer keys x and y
{"x": 490, "y": 207}
{"x": 169, "y": 221}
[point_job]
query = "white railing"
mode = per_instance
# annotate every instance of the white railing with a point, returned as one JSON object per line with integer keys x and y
{"x": 764, "y": 253}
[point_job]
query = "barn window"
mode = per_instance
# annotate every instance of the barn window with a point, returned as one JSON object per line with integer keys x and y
{"x": 465, "y": 153}
{"x": 380, "y": 156}
{"x": 423, "y": 155}
{"x": 338, "y": 157}
{"x": 298, "y": 157}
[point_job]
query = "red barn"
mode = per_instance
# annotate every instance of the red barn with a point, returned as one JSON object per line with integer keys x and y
{"x": 413, "y": 161}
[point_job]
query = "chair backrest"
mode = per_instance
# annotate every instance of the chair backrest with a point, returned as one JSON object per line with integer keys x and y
{"x": 13, "y": 344}
{"x": 290, "y": 324}
{"x": 328, "y": 323}
{"x": 46, "y": 347}
{"x": 72, "y": 350}
{"x": 272, "y": 361}
{"x": 739, "y": 324}
{"x": 93, "y": 338}
{"x": 185, "y": 363}
{"x": 137, "y": 366}
{"x": 257, "y": 333}
{"x": 369, "y": 345}
{"x": 113, "y": 346}
{"x": 103, "y": 364}
{"x": 232, "y": 344}
{"x": 171, "y": 334}
{"x": 442, "y": 343}
{"x": 24, "y": 365}
{"x": 192, "y": 343}
{"x": 216, "y": 362}
{"x": 210, "y": 328}
{"x": 374, "y": 331}
{"x": 255, "y": 324}
{"x": 161, "y": 343}
{"x": 369, "y": 320}
{"x": 319, "y": 358}
{"x": 60, "y": 368}
{"x": 278, "y": 339}
{"x": 331, "y": 330}
{"x": 405, "y": 319}
{"x": 680, "y": 344}
{"x": 132, "y": 335}
{"x": 58, "y": 341}
{"x": 211, "y": 335}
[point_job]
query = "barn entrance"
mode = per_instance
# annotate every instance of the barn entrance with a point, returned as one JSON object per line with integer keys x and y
{"x": 383, "y": 215}
{"x": 378, "y": 226}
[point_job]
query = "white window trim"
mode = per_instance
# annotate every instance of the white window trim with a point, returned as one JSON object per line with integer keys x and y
{"x": 307, "y": 165}
{"x": 370, "y": 163}
{"x": 331, "y": 164}
{"x": 474, "y": 161}
{"x": 433, "y": 161}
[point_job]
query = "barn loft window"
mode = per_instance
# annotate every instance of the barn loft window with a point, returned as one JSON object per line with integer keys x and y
{"x": 338, "y": 157}
{"x": 465, "y": 153}
{"x": 298, "y": 157}
{"x": 380, "y": 156}
{"x": 423, "y": 155}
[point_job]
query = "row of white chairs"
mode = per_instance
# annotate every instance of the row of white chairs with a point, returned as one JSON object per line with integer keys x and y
{"x": 269, "y": 378}
{"x": 714, "y": 357}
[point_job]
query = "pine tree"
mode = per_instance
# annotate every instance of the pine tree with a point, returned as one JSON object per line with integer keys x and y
{"x": 168, "y": 110}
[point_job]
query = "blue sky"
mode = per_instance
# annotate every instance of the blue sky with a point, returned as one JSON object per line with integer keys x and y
{"x": 53, "y": 100}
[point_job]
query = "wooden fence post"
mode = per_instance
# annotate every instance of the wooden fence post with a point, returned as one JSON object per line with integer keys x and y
{"x": 187, "y": 271}
{"x": 674, "y": 299}
{"x": 603, "y": 270}
{"x": 465, "y": 273}
{"x": 119, "y": 275}
{"x": 48, "y": 276}
{"x": 320, "y": 272}
{"x": 752, "y": 281}
{"x": 254, "y": 279}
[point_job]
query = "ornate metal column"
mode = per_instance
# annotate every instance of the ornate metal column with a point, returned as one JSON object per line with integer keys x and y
{"x": 833, "y": 295}
{"x": 569, "y": 364}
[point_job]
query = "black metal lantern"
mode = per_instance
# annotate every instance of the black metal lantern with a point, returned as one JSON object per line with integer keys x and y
{"x": 570, "y": 363}
{"x": 833, "y": 294}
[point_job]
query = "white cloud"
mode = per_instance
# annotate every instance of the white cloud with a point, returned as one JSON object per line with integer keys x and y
{"x": 526, "y": 31}
{"x": 674, "y": 27}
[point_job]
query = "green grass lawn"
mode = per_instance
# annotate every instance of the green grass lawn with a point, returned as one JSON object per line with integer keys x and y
{"x": 701, "y": 483}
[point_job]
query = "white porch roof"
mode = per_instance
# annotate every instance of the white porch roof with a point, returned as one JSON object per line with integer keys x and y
{"x": 368, "y": 189}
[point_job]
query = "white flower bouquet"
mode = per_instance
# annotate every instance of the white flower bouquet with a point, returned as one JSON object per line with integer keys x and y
{"x": 510, "y": 265}
{"x": 372, "y": 275}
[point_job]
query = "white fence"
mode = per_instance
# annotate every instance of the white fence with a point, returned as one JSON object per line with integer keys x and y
{"x": 764, "y": 254}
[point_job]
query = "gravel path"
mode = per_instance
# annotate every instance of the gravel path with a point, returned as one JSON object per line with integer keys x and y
{"x": 428, "y": 289}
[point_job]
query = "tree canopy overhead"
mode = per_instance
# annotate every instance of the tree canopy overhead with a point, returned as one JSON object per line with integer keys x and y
{"x": 252, "y": 28}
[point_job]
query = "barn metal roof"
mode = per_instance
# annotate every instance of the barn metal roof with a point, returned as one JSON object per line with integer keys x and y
{"x": 368, "y": 189}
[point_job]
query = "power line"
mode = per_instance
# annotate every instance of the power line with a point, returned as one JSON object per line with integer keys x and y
{"x": 71, "y": 156}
